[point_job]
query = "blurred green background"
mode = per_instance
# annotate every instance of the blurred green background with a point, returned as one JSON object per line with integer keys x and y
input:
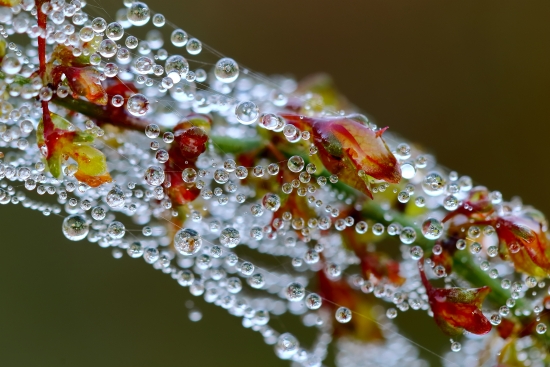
{"x": 468, "y": 79}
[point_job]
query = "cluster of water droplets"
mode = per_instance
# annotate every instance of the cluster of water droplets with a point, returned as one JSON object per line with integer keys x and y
{"x": 221, "y": 246}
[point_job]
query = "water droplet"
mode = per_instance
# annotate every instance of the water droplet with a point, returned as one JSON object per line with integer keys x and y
{"x": 194, "y": 46}
{"x": 138, "y": 105}
{"x": 391, "y": 313}
{"x": 247, "y": 112}
{"x": 296, "y": 163}
{"x": 226, "y": 70}
{"x": 75, "y": 227}
{"x": 343, "y": 315}
{"x": 295, "y": 292}
{"x": 416, "y": 252}
{"x": 116, "y": 230}
{"x": 151, "y": 255}
{"x": 115, "y": 197}
{"x": 176, "y": 68}
{"x": 138, "y": 14}
{"x": 114, "y": 31}
{"x": 179, "y": 38}
{"x": 230, "y": 237}
{"x": 432, "y": 229}
{"x": 189, "y": 175}
{"x": 407, "y": 170}
{"x": 271, "y": 202}
{"x": 313, "y": 301}
{"x": 154, "y": 176}
{"x": 187, "y": 241}
{"x": 433, "y": 184}
{"x": 407, "y": 235}
{"x": 456, "y": 346}
{"x": 287, "y": 346}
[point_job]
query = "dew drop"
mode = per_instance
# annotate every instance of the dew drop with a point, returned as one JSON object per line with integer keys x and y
{"x": 138, "y": 105}
{"x": 432, "y": 229}
{"x": 246, "y": 112}
{"x": 187, "y": 241}
{"x": 295, "y": 292}
{"x": 75, "y": 227}
{"x": 343, "y": 315}
{"x": 138, "y": 14}
{"x": 226, "y": 70}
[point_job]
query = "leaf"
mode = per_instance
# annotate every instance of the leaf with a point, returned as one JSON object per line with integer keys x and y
{"x": 478, "y": 205}
{"x": 457, "y": 309}
{"x": 192, "y": 135}
{"x": 229, "y": 144}
{"x": 382, "y": 267}
{"x": 350, "y": 149}
{"x": 190, "y": 138}
{"x": 10, "y": 3}
{"x": 63, "y": 55}
{"x": 526, "y": 244}
{"x": 83, "y": 81}
{"x": 65, "y": 142}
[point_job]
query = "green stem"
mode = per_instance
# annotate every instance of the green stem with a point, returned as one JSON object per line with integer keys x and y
{"x": 102, "y": 114}
{"x": 18, "y": 79}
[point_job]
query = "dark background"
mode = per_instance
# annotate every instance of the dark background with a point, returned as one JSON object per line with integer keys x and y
{"x": 468, "y": 79}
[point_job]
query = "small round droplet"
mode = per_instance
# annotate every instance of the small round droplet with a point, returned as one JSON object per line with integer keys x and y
{"x": 179, "y": 38}
{"x": 416, "y": 252}
{"x": 313, "y": 301}
{"x": 227, "y": 70}
{"x": 116, "y": 230}
{"x": 271, "y": 202}
{"x": 187, "y": 241}
{"x": 115, "y": 197}
{"x": 296, "y": 163}
{"x": 287, "y": 346}
{"x": 434, "y": 184}
{"x": 154, "y": 176}
{"x": 138, "y": 14}
{"x": 432, "y": 229}
{"x": 247, "y": 112}
{"x": 176, "y": 68}
{"x": 475, "y": 248}
{"x": 343, "y": 315}
{"x": 138, "y": 105}
{"x": 189, "y": 175}
{"x": 407, "y": 235}
{"x": 391, "y": 313}
{"x": 230, "y": 237}
{"x": 456, "y": 347}
{"x": 295, "y": 292}
{"x": 194, "y": 46}
{"x": 75, "y": 227}
{"x": 407, "y": 170}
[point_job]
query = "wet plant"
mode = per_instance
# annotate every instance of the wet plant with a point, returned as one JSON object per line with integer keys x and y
{"x": 262, "y": 194}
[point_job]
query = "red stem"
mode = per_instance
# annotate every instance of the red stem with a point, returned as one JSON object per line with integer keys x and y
{"x": 423, "y": 276}
{"x": 42, "y": 20}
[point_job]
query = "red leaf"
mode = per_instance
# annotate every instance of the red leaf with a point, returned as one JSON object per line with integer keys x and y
{"x": 457, "y": 309}
{"x": 478, "y": 206}
{"x": 190, "y": 138}
{"x": 84, "y": 81}
{"x": 350, "y": 149}
{"x": 524, "y": 236}
{"x": 381, "y": 266}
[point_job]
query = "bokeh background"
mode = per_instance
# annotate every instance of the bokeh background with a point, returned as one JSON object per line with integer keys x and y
{"x": 469, "y": 79}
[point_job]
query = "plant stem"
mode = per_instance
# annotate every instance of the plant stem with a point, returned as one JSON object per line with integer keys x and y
{"x": 42, "y": 20}
{"x": 103, "y": 114}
